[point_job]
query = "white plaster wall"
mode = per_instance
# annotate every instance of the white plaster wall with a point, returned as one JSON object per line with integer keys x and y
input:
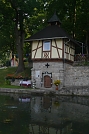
{"x": 54, "y": 50}
{"x": 59, "y": 43}
{"x": 53, "y": 43}
{"x": 39, "y": 50}
{"x": 40, "y": 44}
{"x": 34, "y": 45}
{"x": 33, "y": 53}
{"x": 54, "y": 53}
{"x": 60, "y": 52}
{"x": 38, "y": 53}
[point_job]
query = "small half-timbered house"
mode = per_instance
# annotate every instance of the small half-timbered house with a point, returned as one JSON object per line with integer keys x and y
{"x": 52, "y": 50}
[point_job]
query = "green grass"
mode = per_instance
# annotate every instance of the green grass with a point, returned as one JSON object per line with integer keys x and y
{"x": 12, "y": 70}
{"x": 14, "y": 87}
{"x": 10, "y": 86}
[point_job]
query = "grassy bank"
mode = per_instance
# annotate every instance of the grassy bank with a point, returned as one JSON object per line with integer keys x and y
{"x": 11, "y": 71}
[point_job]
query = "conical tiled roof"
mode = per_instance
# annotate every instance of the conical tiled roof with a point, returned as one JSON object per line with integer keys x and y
{"x": 50, "y": 32}
{"x": 53, "y": 31}
{"x": 54, "y": 18}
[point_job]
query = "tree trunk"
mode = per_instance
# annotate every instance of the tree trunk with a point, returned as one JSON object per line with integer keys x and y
{"x": 74, "y": 17}
{"x": 19, "y": 35}
{"x": 19, "y": 46}
{"x": 86, "y": 42}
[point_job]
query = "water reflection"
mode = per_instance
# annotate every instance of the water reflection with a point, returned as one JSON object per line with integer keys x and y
{"x": 59, "y": 115}
{"x": 43, "y": 114}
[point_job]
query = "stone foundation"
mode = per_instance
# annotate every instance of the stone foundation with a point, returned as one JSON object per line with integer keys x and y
{"x": 68, "y": 75}
{"x": 54, "y": 70}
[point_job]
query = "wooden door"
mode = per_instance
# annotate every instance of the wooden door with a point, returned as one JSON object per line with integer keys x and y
{"x": 47, "y": 81}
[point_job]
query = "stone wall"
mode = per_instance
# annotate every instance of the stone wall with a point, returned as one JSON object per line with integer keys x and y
{"x": 16, "y": 82}
{"x": 76, "y": 75}
{"x": 54, "y": 70}
{"x": 70, "y": 76}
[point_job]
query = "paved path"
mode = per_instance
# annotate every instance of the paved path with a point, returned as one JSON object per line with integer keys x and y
{"x": 30, "y": 91}
{"x": 74, "y": 91}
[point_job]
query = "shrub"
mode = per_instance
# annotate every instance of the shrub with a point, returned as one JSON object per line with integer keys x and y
{"x": 7, "y": 82}
{"x": 13, "y": 77}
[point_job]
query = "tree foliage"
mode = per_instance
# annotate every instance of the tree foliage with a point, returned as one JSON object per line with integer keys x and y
{"x": 19, "y": 19}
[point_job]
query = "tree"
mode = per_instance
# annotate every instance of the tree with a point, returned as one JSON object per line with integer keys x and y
{"x": 20, "y": 12}
{"x": 20, "y": 19}
{"x": 83, "y": 23}
{"x": 74, "y": 15}
{"x": 6, "y": 29}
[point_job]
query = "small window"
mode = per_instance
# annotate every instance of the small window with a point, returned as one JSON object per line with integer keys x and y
{"x": 46, "y": 46}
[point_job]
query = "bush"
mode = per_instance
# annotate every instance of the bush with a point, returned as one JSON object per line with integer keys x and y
{"x": 8, "y": 63}
{"x": 7, "y": 82}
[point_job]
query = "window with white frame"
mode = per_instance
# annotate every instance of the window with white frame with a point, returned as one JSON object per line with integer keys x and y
{"x": 46, "y": 46}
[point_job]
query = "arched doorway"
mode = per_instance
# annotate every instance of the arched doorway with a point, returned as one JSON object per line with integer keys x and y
{"x": 47, "y": 81}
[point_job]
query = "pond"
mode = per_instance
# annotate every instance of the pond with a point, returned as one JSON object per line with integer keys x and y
{"x": 25, "y": 114}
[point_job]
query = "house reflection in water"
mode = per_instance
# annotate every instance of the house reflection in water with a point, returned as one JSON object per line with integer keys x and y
{"x": 47, "y": 117}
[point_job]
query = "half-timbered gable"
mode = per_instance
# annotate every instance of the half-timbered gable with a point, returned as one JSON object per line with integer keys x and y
{"x": 47, "y": 49}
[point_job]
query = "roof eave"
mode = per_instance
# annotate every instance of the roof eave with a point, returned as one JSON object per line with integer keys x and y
{"x": 45, "y": 39}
